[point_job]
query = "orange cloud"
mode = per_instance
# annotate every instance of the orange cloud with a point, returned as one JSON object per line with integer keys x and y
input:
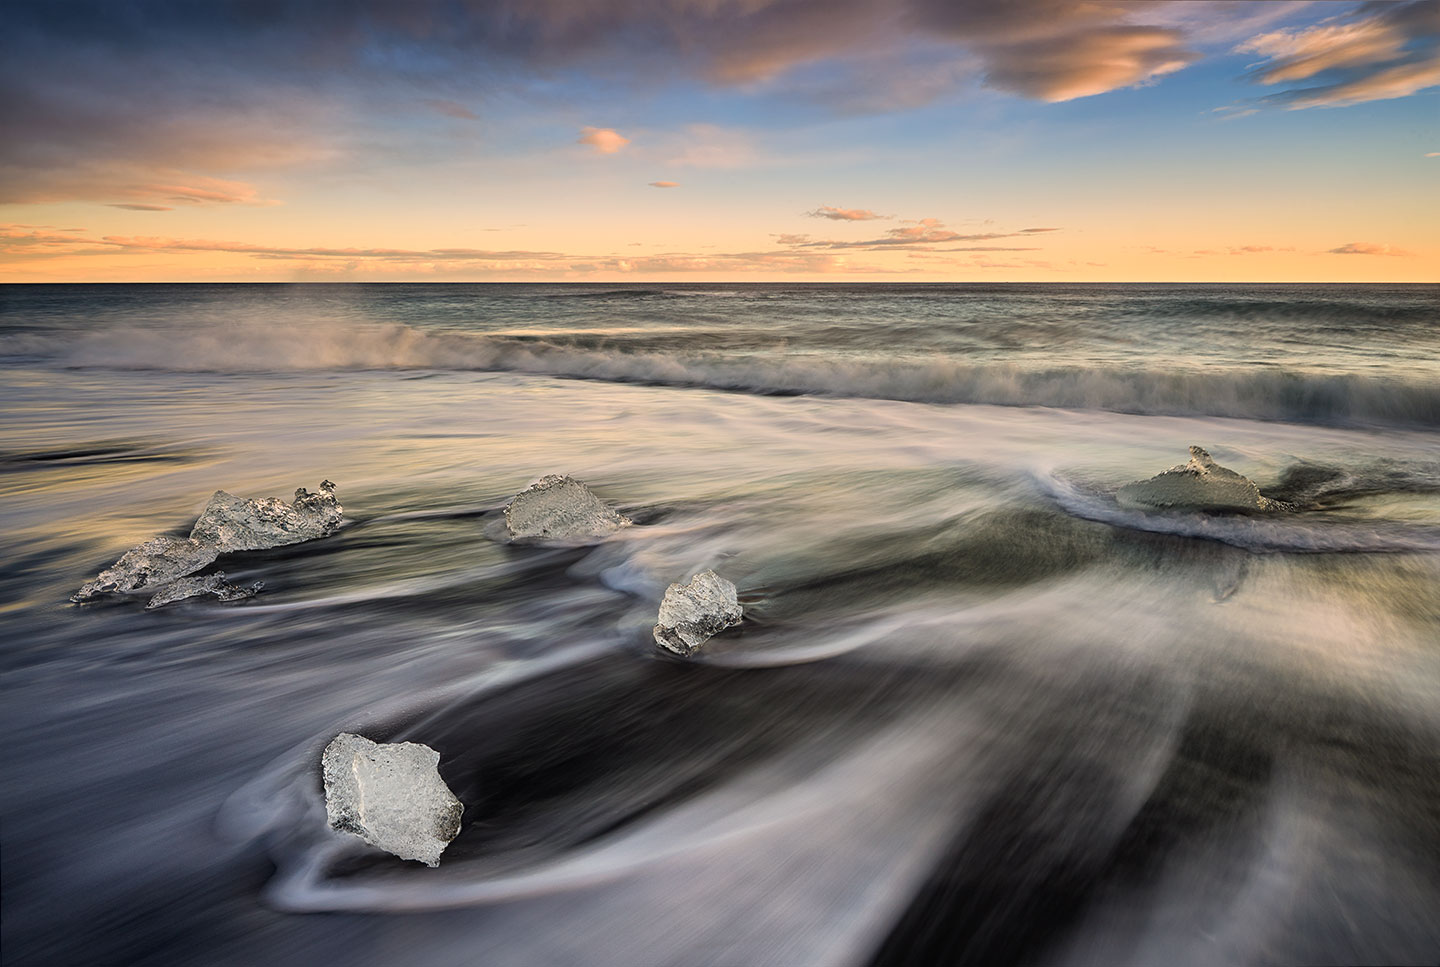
{"x": 1083, "y": 64}
{"x": 1298, "y": 54}
{"x": 921, "y": 232}
{"x": 1367, "y": 248}
{"x": 603, "y": 140}
{"x": 1385, "y": 51}
{"x": 664, "y": 184}
{"x": 845, "y": 214}
{"x": 1402, "y": 80}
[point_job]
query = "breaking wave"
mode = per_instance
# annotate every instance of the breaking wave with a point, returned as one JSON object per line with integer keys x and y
{"x": 1249, "y": 393}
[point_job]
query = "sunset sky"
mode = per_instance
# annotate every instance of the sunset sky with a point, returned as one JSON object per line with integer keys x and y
{"x": 590, "y": 140}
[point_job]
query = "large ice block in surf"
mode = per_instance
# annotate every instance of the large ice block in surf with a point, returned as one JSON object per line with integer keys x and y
{"x": 560, "y": 508}
{"x": 391, "y": 796}
{"x": 1201, "y": 484}
{"x": 243, "y": 524}
{"x": 228, "y": 523}
{"x": 692, "y": 613}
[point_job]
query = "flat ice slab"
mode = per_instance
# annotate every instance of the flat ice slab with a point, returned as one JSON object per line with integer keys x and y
{"x": 1201, "y": 484}
{"x": 391, "y": 796}
{"x": 692, "y": 613}
{"x": 151, "y": 565}
{"x": 560, "y": 508}
{"x": 209, "y": 584}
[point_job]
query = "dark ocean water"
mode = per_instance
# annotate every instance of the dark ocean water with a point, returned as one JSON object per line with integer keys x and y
{"x": 977, "y": 713}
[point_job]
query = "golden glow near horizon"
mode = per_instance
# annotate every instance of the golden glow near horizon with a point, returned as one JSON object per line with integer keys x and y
{"x": 1054, "y": 141}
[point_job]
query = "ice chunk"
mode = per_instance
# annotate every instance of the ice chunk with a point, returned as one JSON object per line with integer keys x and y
{"x": 228, "y": 523}
{"x": 391, "y": 796}
{"x": 209, "y": 584}
{"x": 150, "y": 565}
{"x": 560, "y": 508}
{"x": 1201, "y": 484}
{"x": 692, "y": 613}
{"x": 241, "y": 524}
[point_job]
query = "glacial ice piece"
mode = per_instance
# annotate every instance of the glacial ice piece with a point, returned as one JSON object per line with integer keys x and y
{"x": 391, "y": 796}
{"x": 209, "y": 584}
{"x": 150, "y": 565}
{"x": 228, "y": 523}
{"x": 560, "y": 508}
{"x": 691, "y": 613}
{"x": 241, "y": 524}
{"x": 1201, "y": 484}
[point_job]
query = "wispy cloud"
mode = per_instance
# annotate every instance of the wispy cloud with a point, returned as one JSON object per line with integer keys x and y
{"x": 22, "y": 244}
{"x": 918, "y": 233}
{"x": 1367, "y": 248}
{"x": 1089, "y": 62}
{"x": 1378, "y": 51}
{"x": 664, "y": 184}
{"x": 452, "y": 109}
{"x": 142, "y": 208}
{"x": 710, "y": 146}
{"x": 603, "y": 140}
{"x": 845, "y": 214}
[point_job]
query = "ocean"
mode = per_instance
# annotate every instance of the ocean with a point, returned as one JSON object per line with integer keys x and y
{"x": 977, "y": 712}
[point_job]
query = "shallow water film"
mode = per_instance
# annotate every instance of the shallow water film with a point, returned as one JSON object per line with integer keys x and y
{"x": 977, "y": 711}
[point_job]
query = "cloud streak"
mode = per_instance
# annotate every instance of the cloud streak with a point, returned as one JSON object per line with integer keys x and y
{"x": 1378, "y": 52}
{"x": 1367, "y": 248}
{"x": 919, "y": 234}
{"x": 845, "y": 214}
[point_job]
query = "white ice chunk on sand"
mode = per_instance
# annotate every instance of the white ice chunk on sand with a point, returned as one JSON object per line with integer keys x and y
{"x": 691, "y": 613}
{"x": 209, "y": 584}
{"x": 242, "y": 524}
{"x": 1201, "y": 484}
{"x": 391, "y": 796}
{"x": 560, "y": 508}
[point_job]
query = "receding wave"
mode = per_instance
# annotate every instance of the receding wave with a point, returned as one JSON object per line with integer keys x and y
{"x": 1249, "y": 393}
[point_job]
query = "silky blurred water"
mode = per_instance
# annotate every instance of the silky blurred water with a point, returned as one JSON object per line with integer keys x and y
{"x": 977, "y": 712}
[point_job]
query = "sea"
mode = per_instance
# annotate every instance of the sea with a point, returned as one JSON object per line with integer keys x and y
{"x": 977, "y": 711}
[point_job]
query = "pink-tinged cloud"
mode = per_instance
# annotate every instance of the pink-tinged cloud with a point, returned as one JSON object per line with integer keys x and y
{"x": 204, "y": 191}
{"x": 1367, "y": 248}
{"x": 845, "y": 214}
{"x": 1432, "y": 154}
{"x": 664, "y": 184}
{"x": 1378, "y": 51}
{"x": 923, "y": 232}
{"x": 1086, "y": 63}
{"x": 603, "y": 140}
{"x": 1402, "y": 80}
{"x": 1295, "y": 55}
{"x": 710, "y": 146}
{"x": 142, "y": 208}
{"x": 453, "y": 109}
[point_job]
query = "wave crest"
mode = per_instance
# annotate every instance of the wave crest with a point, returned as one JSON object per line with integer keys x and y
{"x": 1247, "y": 393}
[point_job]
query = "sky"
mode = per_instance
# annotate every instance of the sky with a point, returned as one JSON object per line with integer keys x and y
{"x": 697, "y": 140}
